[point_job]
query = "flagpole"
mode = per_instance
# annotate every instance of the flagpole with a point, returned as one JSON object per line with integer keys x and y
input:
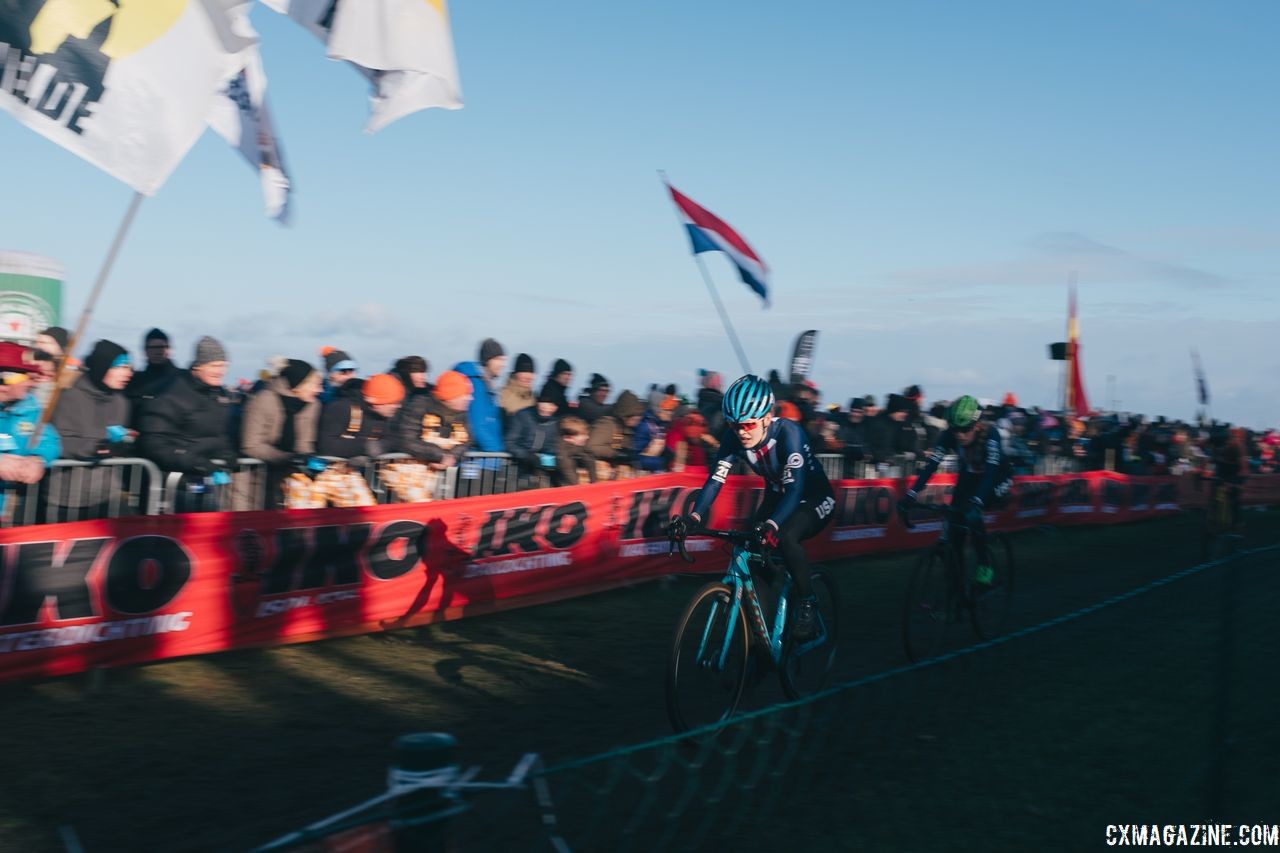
{"x": 724, "y": 316}
{"x": 715, "y": 296}
{"x": 105, "y": 270}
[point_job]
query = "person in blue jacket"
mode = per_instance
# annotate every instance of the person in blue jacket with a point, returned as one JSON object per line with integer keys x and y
{"x": 20, "y": 463}
{"x": 484, "y": 417}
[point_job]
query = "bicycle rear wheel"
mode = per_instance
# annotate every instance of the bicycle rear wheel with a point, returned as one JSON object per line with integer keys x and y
{"x": 805, "y": 666}
{"x": 931, "y": 606}
{"x": 708, "y": 665}
{"x": 993, "y": 603}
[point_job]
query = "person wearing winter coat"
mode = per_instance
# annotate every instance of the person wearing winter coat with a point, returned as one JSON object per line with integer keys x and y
{"x": 92, "y": 415}
{"x": 532, "y": 440}
{"x": 557, "y": 385}
{"x": 591, "y": 403}
{"x": 518, "y": 394}
{"x": 154, "y": 379}
{"x": 186, "y": 428}
{"x": 484, "y": 417}
{"x": 612, "y": 437}
{"x": 280, "y": 423}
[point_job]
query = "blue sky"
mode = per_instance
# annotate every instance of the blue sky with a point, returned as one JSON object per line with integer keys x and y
{"x": 921, "y": 177}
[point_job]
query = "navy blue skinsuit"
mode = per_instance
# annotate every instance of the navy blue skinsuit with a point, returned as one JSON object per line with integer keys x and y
{"x": 983, "y": 484}
{"x": 798, "y": 498}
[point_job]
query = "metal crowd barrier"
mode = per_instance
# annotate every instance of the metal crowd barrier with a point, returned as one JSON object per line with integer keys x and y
{"x": 79, "y": 491}
{"x": 837, "y": 467}
{"x": 110, "y": 488}
{"x": 1057, "y": 465}
{"x": 484, "y": 474}
{"x": 475, "y": 474}
{"x": 246, "y": 491}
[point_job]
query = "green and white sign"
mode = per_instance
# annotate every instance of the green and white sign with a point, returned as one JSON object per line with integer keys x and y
{"x": 30, "y": 295}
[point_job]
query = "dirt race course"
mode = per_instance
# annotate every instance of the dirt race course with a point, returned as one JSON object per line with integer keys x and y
{"x": 1107, "y": 719}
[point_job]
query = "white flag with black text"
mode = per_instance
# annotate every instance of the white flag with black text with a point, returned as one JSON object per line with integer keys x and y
{"x": 126, "y": 86}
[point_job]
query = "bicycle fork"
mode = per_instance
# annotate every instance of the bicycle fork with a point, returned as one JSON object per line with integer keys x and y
{"x": 726, "y": 642}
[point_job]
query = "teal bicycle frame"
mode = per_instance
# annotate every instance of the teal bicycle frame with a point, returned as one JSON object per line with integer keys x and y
{"x": 747, "y": 599}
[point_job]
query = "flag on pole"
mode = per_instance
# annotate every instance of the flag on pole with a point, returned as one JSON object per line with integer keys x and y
{"x": 1077, "y": 401}
{"x": 126, "y": 86}
{"x": 404, "y": 48}
{"x": 240, "y": 116}
{"x": 710, "y": 233}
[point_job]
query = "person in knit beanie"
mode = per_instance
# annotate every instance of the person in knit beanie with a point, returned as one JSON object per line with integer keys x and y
{"x": 92, "y": 415}
{"x": 435, "y": 428}
{"x": 339, "y": 370}
{"x": 362, "y": 425}
{"x": 188, "y": 427}
{"x": 412, "y": 373}
{"x": 493, "y": 360}
{"x": 517, "y": 394}
{"x": 557, "y": 386}
{"x": 280, "y": 422}
{"x": 591, "y": 403}
{"x": 209, "y": 351}
{"x": 154, "y": 379}
{"x": 533, "y": 440}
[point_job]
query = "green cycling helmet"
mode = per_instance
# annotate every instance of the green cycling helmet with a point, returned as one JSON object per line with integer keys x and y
{"x": 963, "y": 413}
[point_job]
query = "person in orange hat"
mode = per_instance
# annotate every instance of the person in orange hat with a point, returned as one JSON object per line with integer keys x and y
{"x": 19, "y": 414}
{"x": 353, "y": 427}
{"x": 434, "y": 428}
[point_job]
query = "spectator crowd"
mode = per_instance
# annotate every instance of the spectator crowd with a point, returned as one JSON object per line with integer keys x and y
{"x": 315, "y": 427}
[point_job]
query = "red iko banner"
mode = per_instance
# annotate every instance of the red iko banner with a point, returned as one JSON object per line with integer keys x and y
{"x": 121, "y": 591}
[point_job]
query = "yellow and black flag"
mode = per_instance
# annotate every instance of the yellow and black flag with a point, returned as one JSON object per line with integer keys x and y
{"x": 126, "y": 85}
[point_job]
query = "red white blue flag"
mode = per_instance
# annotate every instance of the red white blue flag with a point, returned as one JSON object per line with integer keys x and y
{"x": 710, "y": 233}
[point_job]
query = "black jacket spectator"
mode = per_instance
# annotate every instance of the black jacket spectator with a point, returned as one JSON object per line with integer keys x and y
{"x": 533, "y": 438}
{"x": 559, "y": 393}
{"x": 350, "y": 428}
{"x": 427, "y": 429}
{"x": 853, "y": 436}
{"x": 589, "y": 410}
{"x": 148, "y": 384}
{"x": 187, "y": 427}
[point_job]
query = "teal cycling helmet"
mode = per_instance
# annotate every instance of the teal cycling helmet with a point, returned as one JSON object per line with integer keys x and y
{"x": 963, "y": 412}
{"x": 748, "y": 399}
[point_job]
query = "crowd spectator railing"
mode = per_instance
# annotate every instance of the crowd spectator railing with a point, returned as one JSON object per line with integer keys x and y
{"x": 246, "y": 489}
{"x": 110, "y": 488}
{"x": 483, "y": 474}
{"x": 72, "y": 490}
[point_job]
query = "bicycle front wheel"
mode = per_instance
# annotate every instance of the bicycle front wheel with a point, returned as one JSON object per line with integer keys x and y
{"x": 993, "y": 602}
{"x": 805, "y": 666}
{"x": 930, "y": 608}
{"x": 707, "y": 669}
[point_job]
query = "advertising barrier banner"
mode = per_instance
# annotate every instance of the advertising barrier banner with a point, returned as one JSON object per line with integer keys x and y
{"x": 121, "y": 591}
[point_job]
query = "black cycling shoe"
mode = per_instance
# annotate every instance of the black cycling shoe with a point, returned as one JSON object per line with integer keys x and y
{"x": 804, "y": 623}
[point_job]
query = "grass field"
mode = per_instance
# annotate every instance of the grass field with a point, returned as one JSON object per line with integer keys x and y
{"x": 1038, "y": 744}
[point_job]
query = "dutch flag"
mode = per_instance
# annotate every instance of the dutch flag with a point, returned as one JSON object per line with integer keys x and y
{"x": 710, "y": 233}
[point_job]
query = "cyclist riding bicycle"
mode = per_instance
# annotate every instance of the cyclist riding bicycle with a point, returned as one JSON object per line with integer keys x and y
{"x": 798, "y": 500}
{"x": 985, "y": 476}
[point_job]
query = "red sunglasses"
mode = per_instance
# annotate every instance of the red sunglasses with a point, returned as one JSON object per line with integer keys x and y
{"x": 744, "y": 426}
